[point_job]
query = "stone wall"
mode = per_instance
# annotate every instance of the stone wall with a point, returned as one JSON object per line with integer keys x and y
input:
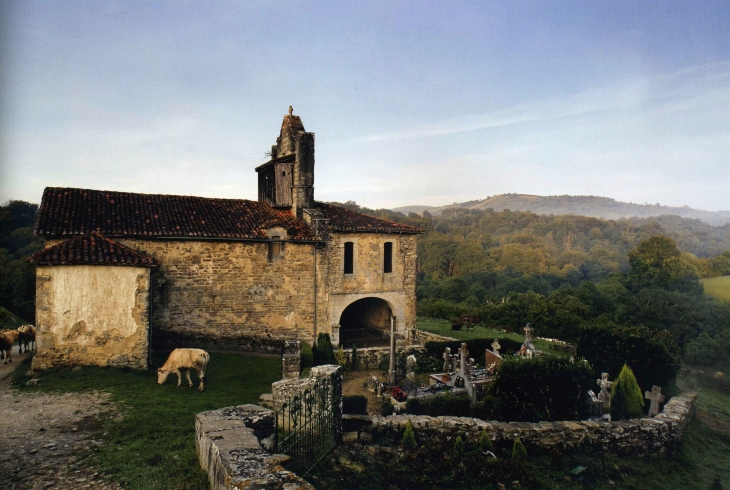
{"x": 234, "y": 447}
{"x": 92, "y": 315}
{"x": 230, "y": 292}
{"x": 374, "y": 357}
{"x": 420, "y": 337}
{"x": 637, "y": 436}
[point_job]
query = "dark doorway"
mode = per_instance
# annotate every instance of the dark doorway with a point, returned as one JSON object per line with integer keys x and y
{"x": 366, "y": 323}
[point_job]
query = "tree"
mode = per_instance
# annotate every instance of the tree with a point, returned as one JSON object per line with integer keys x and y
{"x": 409, "y": 437}
{"x": 626, "y": 399}
{"x": 657, "y": 263}
{"x": 322, "y": 350}
{"x": 519, "y": 453}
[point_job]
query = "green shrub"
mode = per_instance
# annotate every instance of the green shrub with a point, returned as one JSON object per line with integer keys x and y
{"x": 488, "y": 408}
{"x": 355, "y": 405}
{"x": 653, "y": 355}
{"x": 542, "y": 389}
{"x": 306, "y": 360}
{"x": 355, "y": 361}
{"x": 626, "y": 399}
{"x": 459, "y": 446}
{"x": 409, "y": 438}
{"x": 454, "y": 405}
{"x": 485, "y": 442}
{"x": 519, "y": 453}
{"x": 340, "y": 357}
{"x": 323, "y": 352}
{"x": 387, "y": 407}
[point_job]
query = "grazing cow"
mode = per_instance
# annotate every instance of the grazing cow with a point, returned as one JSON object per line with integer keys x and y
{"x": 26, "y": 337}
{"x": 7, "y": 339}
{"x": 185, "y": 359}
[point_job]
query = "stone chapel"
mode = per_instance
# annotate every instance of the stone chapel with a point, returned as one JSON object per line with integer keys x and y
{"x": 123, "y": 272}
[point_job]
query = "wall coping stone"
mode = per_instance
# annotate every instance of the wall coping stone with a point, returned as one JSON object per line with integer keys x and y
{"x": 233, "y": 446}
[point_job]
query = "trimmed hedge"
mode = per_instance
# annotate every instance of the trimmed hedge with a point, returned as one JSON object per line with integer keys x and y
{"x": 435, "y": 406}
{"x": 355, "y": 405}
{"x": 476, "y": 347}
{"x": 653, "y": 356}
{"x": 543, "y": 389}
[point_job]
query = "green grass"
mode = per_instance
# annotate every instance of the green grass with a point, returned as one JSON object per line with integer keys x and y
{"x": 152, "y": 446}
{"x": 717, "y": 287}
{"x": 442, "y": 327}
{"x": 9, "y": 320}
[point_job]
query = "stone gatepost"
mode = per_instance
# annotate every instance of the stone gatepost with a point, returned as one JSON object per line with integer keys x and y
{"x": 291, "y": 359}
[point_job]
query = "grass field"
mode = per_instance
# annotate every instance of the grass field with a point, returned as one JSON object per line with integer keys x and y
{"x": 153, "y": 445}
{"x": 717, "y": 287}
{"x": 442, "y": 327}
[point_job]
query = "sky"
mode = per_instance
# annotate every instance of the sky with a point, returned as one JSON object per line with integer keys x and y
{"x": 426, "y": 102}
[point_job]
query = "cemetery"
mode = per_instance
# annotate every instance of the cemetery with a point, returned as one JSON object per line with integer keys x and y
{"x": 480, "y": 403}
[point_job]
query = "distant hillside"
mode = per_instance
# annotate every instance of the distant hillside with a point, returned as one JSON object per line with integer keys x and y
{"x": 597, "y": 207}
{"x": 9, "y": 321}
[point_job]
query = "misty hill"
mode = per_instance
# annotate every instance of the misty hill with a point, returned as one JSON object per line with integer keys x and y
{"x": 597, "y": 207}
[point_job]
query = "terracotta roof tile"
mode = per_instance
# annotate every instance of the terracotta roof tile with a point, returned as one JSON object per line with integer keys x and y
{"x": 91, "y": 249}
{"x": 344, "y": 220}
{"x": 68, "y": 212}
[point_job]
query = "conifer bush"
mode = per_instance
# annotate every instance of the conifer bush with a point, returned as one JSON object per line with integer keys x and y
{"x": 485, "y": 442}
{"x": 340, "y": 357}
{"x": 355, "y": 362}
{"x": 519, "y": 453}
{"x": 409, "y": 437}
{"x": 322, "y": 351}
{"x": 626, "y": 399}
{"x": 306, "y": 360}
{"x": 459, "y": 446}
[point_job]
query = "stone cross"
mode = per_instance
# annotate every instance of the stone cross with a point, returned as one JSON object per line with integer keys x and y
{"x": 470, "y": 365}
{"x": 496, "y": 346}
{"x": 463, "y": 357}
{"x": 604, "y": 396}
{"x": 447, "y": 360}
{"x": 528, "y": 331}
{"x": 656, "y": 397}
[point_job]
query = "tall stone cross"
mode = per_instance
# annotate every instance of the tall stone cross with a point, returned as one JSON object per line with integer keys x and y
{"x": 605, "y": 396}
{"x": 528, "y": 331}
{"x": 656, "y": 397}
{"x": 447, "y": 360}
{"x": 463, "y": 358}
{"x": 496, "y": 346}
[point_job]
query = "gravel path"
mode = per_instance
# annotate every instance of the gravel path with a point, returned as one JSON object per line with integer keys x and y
{"x": 44, "y": 437}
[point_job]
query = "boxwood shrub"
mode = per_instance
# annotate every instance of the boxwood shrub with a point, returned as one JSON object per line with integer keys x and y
{"x": 543, "y": 388}
{"x": 355, "y": 405}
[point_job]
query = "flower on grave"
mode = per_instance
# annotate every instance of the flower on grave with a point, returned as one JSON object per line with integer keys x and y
{"x": 398, "y": 394}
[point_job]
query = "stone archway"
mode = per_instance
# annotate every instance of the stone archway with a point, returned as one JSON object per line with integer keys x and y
{"x": 366, "y": 323}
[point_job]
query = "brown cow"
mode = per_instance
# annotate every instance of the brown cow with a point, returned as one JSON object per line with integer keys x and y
{"x": 7, "y": 339}
{"x": 26, "y": 337}
{"x": 185, "y": 359}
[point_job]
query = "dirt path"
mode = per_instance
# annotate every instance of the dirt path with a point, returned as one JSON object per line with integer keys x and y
{"x": 43, "y": 438}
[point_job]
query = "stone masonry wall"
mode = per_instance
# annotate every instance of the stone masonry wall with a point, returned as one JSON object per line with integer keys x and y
{"x": 637, "y": 436}
{"x": 368, "y": 279}
{"x": 92, "y": 315}
{"x": 374, "y": 357}
{"x": 228, "y": 291}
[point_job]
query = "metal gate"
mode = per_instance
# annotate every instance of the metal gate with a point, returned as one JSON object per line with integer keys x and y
{"x": 309, "y": 424}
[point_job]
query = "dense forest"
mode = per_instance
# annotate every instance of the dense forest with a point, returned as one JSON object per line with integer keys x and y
{"x": 560, "y": 273}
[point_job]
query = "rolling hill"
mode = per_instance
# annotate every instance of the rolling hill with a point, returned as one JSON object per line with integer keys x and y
{"x": 597, "y": 207}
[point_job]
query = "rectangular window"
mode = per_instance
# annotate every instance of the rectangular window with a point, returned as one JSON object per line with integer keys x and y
{"x": 276, "y": 248}
{"x": 349, "y": 258}
{"x": 388, "y": 257}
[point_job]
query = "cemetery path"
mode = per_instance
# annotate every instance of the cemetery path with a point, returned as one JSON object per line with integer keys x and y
{"x": 352, "y": 384}
{"x": 44, "y": 438}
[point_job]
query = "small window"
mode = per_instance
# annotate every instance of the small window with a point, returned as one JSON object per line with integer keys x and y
{"x": 276, "y": 248}
{"x": 349, "y": 258}
{"x": 388, "y": 257}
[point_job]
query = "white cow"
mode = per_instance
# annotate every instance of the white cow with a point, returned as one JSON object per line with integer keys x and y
{"x": 185, "y": 359}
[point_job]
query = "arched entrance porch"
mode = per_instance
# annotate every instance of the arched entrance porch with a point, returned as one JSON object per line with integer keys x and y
{"x": 366, "y": 323}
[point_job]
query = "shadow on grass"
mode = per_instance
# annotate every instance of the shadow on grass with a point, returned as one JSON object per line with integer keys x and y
{"x": 152, "y": 444}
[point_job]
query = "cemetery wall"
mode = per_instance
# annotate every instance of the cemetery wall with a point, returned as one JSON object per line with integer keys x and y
{"x": 638, "y": 436}
{"x": 377, "y": 357}
{"x": 233, "y": 446}
{"x": 421, "y": 337}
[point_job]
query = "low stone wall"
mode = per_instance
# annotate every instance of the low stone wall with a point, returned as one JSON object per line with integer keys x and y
{"x": 168, "y": 340}
{"x": 234, "y": 444}
{"x": 637, "y": 436}
{"x": 420, "y": 337}
{"x": 374, "y": 357}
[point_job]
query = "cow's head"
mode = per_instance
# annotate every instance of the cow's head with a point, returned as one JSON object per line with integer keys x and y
{"x": 162, "y": 376}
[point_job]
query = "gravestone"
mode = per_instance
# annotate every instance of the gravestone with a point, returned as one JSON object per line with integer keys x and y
{"x": 604, "y": 395}
{"x": 527, "y": 344}
{"x": 656, "y": 397}
{"x": 411, "y": 363}
{"x": 470, "y": 366}
{"x": 496, "y": 346}
{"x": 463, "y": 357}
{"x": 447, "y": 360}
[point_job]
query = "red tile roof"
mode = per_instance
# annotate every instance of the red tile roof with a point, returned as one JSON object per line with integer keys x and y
{"x": 344, "y": 220}
{"x": 91, "y": 249}
{"x": 68, "y": 212}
